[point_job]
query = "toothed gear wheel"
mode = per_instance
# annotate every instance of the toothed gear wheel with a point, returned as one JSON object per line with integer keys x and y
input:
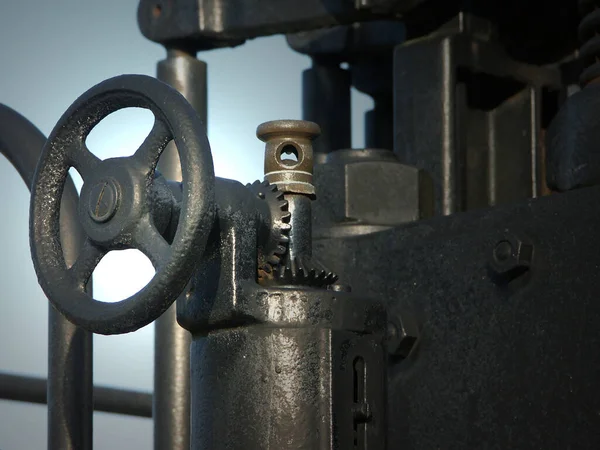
{"x": 310, "y": 273}
{"x": 273, "y": 242}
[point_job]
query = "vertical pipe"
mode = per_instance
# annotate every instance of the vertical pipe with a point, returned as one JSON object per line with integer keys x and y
{"x": 379, "y": 124}
{"x": 70, "y": 383}
{"x": 326, "y": 101}
{"x": 171, "y": 402}
{"x": 70, "y": 374}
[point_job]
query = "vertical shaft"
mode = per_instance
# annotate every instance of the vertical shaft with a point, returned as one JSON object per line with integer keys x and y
{"x": 69, "y": 389}
{"x": 326, "y": 101}
{"x": 171, "y": 403}
{"x": 70, "y": 374}
{"x": 379, "y": 124}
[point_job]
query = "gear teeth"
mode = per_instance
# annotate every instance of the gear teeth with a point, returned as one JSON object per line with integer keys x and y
{"x": 295, "y": 271}
{"x": 270, "y": 252}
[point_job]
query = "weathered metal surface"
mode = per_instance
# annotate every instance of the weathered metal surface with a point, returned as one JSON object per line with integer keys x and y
{"x": 106, "y": 399}
{"x": 218, "y": 23}
{"x": 368, "y": 189}
{"x": 188, "y": 75}
{"x": 482, "y": 342}
{"x": 132, "y": 224}
{"x": 457, "y": 97}
{"x": 69, "y": 348}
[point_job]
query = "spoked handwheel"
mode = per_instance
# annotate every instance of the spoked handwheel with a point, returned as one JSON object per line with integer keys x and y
{"x": 115, "y": 204}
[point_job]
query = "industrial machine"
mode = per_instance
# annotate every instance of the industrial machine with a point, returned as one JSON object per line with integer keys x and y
{"x": 434, "y": 290}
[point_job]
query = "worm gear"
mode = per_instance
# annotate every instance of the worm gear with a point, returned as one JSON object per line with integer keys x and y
{"x": 274, "y": 238}
{"x": 297, "y": 272}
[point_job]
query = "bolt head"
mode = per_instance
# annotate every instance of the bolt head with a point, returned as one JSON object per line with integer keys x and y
{"x": 511, "y": 256}
{"x": 103, "y": 200}
{"x": 402, "y": 335}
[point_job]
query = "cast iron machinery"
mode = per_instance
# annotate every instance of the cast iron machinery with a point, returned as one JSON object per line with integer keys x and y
{"x": 436, "y": 289}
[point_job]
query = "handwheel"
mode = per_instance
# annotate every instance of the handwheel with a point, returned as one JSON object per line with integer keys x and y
{"x": 115, "y": 204}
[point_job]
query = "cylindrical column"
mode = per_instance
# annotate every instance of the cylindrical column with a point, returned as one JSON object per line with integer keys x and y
{"x": 379, "y": 124}
{"x": 69, "y": 348}
{"x": 326, "y": 101}
{"x": 171, "y": 401}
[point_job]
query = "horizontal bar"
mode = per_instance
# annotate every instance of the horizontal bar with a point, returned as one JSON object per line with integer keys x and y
{"x": 118, "y": 401}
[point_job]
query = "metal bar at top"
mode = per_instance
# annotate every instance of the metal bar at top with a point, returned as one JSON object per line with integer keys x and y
{"x": 118, "y": 401}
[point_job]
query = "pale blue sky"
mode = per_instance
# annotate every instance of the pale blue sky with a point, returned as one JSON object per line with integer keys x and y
{"x": 52, "y": 52}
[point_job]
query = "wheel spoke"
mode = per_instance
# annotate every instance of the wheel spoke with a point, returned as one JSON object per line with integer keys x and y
{"x": 150, "y": 242}
{"x": 87, "y": 260}
{"x": 154, "y": 144}
{"x": 84, "y": 161}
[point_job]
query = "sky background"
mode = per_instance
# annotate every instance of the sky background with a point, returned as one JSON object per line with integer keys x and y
{"x": 50, "y": 53}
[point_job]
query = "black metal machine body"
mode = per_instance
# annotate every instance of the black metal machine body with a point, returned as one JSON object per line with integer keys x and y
{"x": 432, "y": 290}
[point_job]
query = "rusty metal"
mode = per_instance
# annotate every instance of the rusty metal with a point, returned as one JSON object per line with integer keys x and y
{"x": 289, "y": 154}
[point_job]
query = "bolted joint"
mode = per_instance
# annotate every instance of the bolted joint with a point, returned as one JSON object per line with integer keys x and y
{"x": 511, "y": 257}
{"x": 402, "y": 335}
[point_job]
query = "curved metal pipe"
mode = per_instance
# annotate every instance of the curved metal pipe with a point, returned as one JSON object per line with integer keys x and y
{"x": 70, "y": 384}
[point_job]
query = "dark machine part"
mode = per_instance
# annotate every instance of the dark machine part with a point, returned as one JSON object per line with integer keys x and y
{"x": 289, "y": 165}
{"x": 497, "y": 357}
{"x": 70, "y": 403}
{"x": 122, "y": 205}
{"x": 288, "y": 366}
{"x": 171, "y": 407}
{"x": 368, "y": 49}
{"x": 464, "y": 330}
{"x": 106, "y": 399}
{"x": 456, "y": 114}
{"x": 573, "y": 156}
{"x": 528, "y": 30}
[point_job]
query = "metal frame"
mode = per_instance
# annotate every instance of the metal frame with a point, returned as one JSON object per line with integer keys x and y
{"x": 467, "y": 75}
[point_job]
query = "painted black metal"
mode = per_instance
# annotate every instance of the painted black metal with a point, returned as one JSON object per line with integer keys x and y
{"x": 229, "y": 23}
{"x": 326, "y": 101}
{"x": 69, "y": 347}
{"x": 455, "y": 116}
{"x": 283, "y": 366}
{"x": 186, "y": 74}
{"x": 132, "y": 225}
{"x": 217, "y": 23}
{"x": 590, "y": 50}
{"x": 34, "y": 390}
{"x": 368, "y": 49}
{"x": 495, "y": 365}
{"x": 463, "y": 304}
{"x": 573, "y": 157}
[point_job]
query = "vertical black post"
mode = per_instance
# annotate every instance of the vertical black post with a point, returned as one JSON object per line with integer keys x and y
{"x": 326, "y": 101}
{"x": 379, "y": 124}
{"x": 70, "y": 383}
{"x": 171, "y": 403}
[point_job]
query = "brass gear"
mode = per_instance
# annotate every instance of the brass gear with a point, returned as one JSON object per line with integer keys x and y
{"x": 310, "y": 273}
{"x": 273, "y": 239}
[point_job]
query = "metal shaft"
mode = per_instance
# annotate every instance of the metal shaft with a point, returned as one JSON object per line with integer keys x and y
{"x": 171, "y": 405}
{"x": 379, "y": 124}
{"x": 300, "y": 245}
{"x": 34, "y": 390}
{"x": 326, "y": 101}
{"x": 69, "y": 348}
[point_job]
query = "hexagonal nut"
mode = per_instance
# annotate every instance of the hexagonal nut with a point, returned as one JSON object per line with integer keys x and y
{"x": 402, "y": 335}
{"x": 386, "y": 193}
{"x": 370, "y": 187}
{"x": 512, "y": 255}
